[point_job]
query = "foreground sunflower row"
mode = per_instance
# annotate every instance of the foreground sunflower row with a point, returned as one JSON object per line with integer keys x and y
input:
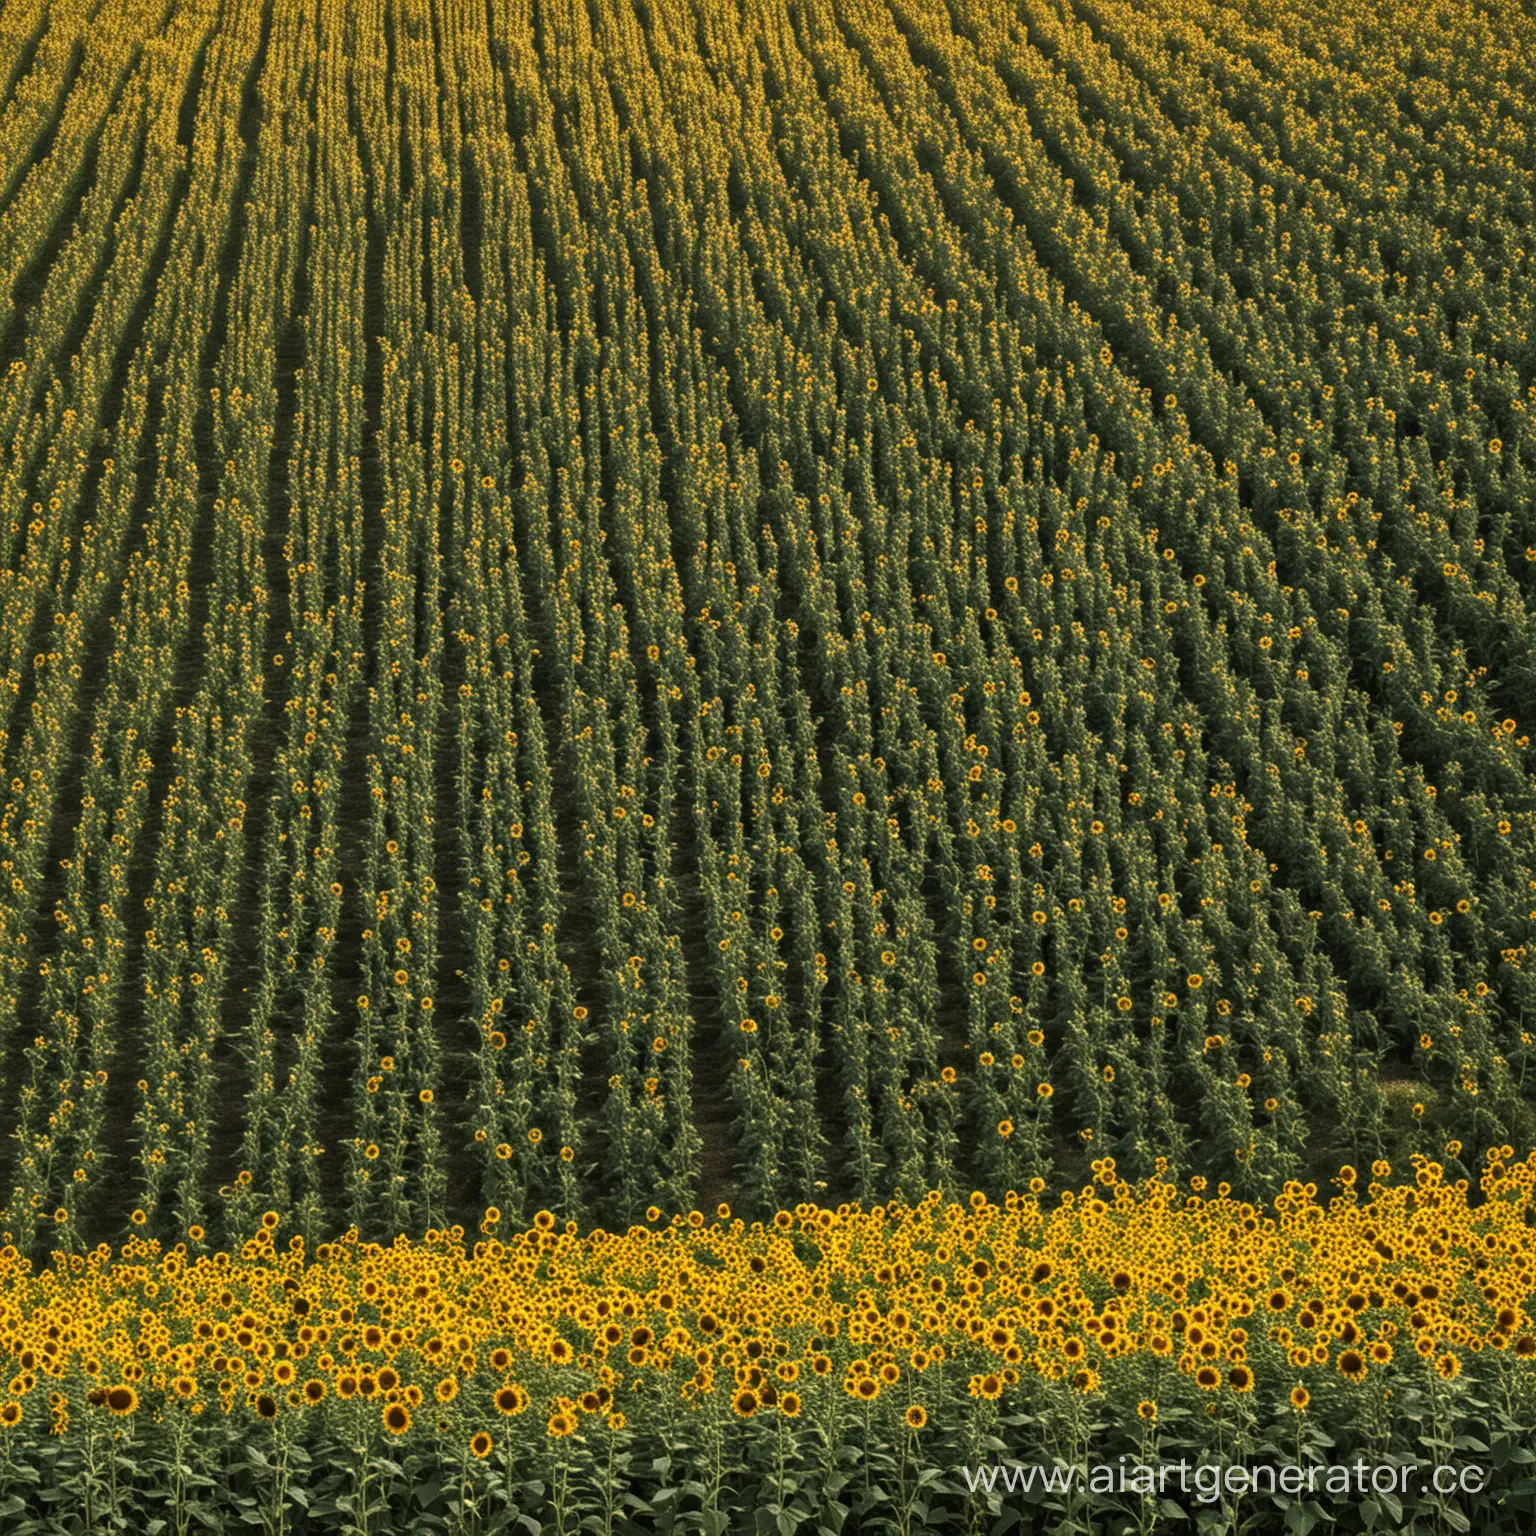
{"x": 755, "y": 1362}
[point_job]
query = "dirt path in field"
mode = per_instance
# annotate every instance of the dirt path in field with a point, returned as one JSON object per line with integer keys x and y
{"x": 712, "y": 1114}
{"x": 575, "y": 940}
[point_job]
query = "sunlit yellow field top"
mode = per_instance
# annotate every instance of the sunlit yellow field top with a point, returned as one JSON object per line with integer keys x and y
{"x": 933, "y": 1299}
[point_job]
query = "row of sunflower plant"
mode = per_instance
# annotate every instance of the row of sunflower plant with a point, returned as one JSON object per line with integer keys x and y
{"x": 829, "y": 1368}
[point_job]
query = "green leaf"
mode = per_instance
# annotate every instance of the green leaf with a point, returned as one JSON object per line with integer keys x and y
{"x": 1300, "y": 1519}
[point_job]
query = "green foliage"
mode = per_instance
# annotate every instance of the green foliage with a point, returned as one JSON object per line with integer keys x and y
{"x": 788, "y": 1476}
{"x": 611, "y": 605}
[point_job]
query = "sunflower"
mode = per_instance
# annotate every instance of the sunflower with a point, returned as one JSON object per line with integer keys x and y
{"x": 121, "y": 1400}
{"x": 916, "y": 1416}
{"x": 266, "y": 1406}
{"x": 1146, "y": 1409}
{"x": 1300, "y": 1397}
{"x": 480, "y": 1445}
{"x": 397, "y": 1418}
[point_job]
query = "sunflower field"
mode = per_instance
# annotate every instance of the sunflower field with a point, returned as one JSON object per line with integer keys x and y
{"x": 873, "y": 614}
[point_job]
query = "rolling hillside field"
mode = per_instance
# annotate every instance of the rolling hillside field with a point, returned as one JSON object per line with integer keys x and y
{"x": 857, "y": 675}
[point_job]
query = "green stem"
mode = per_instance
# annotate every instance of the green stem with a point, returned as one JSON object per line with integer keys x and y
{"x": 778, "y": 1465}
{"x": 90, "y": 1470}
{"x": 608, "y": 1490}
{"x": 279, "y": 1522}
{"x": 179, "y": 1511}
{"x": 506, "y": 1465}
{"x": 828, "y": 1430}
{"x": 112, "y": 1476}
{"x": 562, "y": 1472}
{"x": 362, "y": 1476}
{"x": 461, "y": 1465}
{"x": 715, "y": 1438}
